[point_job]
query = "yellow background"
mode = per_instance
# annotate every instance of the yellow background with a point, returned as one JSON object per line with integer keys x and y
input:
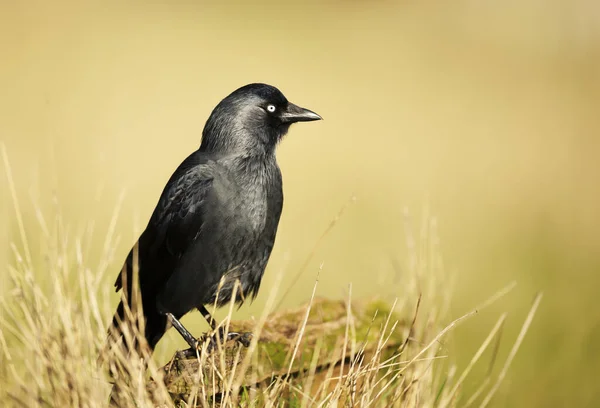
{"x": 485, "y": 112}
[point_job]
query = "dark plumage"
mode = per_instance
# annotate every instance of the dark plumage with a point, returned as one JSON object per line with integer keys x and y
{"x": 217, "y": 216}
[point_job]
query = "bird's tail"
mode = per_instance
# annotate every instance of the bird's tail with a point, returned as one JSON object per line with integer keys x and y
{"x": 132, "y": 336}
{"x": 134, "y": 332}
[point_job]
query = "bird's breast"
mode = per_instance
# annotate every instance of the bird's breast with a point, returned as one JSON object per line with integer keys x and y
{"x": 260, "y": 197}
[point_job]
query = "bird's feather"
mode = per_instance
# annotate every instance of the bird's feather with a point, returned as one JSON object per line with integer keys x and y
{"x": 176, "y": 219}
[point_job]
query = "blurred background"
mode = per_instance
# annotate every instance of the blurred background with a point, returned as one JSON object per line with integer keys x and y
{"x": 484, "y": 114}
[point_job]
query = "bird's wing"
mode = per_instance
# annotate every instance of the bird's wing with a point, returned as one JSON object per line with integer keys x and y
{"x": 175, "y": 222}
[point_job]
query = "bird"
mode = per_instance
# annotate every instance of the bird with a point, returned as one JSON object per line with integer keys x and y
{"x": 216, "y": 220}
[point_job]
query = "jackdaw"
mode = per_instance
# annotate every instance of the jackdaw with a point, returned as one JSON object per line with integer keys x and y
{"x": 216, "y": 219}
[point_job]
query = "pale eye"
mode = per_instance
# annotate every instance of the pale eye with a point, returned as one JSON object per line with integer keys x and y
{"x": 271, "y": 108}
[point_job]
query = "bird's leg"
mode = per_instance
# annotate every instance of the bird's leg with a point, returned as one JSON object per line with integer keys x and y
{"x": 208, "y": 317}
{"x": 187, "y": 336}
{"x": 242, "y": 338}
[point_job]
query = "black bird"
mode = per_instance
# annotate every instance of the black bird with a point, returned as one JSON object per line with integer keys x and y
{"x": 216, "y": 219}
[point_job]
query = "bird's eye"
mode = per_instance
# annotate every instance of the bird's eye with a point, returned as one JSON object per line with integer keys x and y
{"x": 271, "y": 108}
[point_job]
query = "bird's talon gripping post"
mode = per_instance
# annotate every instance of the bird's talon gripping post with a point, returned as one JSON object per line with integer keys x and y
{"x": 245, "y": 339}
{"x": 218, "y": 336}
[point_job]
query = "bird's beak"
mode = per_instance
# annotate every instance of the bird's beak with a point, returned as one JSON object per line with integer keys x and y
{"x": 295, "y": 113}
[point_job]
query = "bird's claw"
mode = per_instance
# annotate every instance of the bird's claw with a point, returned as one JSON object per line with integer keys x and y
{"x": 213, "y": 341}
{"x": 245, "y": 339}
{"x": 242, "y": 338}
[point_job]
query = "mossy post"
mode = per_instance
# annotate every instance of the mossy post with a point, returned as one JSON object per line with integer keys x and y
{"x": 336, "y": 335}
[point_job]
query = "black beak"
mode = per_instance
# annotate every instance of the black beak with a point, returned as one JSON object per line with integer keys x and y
{"x": 294, "y": 113}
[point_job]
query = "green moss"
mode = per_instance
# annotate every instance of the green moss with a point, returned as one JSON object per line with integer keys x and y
{"x": 274, "y": 354}
{"x": 377, "y": 308}
{"x": 325, "y": 331}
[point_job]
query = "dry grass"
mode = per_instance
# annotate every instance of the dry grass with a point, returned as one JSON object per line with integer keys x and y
{"x": 57, "y": 308}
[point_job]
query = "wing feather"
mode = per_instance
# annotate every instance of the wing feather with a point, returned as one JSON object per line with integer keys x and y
{"x": 176, "y": 220}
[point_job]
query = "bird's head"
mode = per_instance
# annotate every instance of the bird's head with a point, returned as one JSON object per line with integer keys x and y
{"x": 252, "y": 118}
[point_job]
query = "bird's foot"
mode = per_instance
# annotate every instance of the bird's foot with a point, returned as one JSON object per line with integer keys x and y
{"x": 243, "y": 338}
{"x": 213, "y": 342}
{"x": 220, "y": 337}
